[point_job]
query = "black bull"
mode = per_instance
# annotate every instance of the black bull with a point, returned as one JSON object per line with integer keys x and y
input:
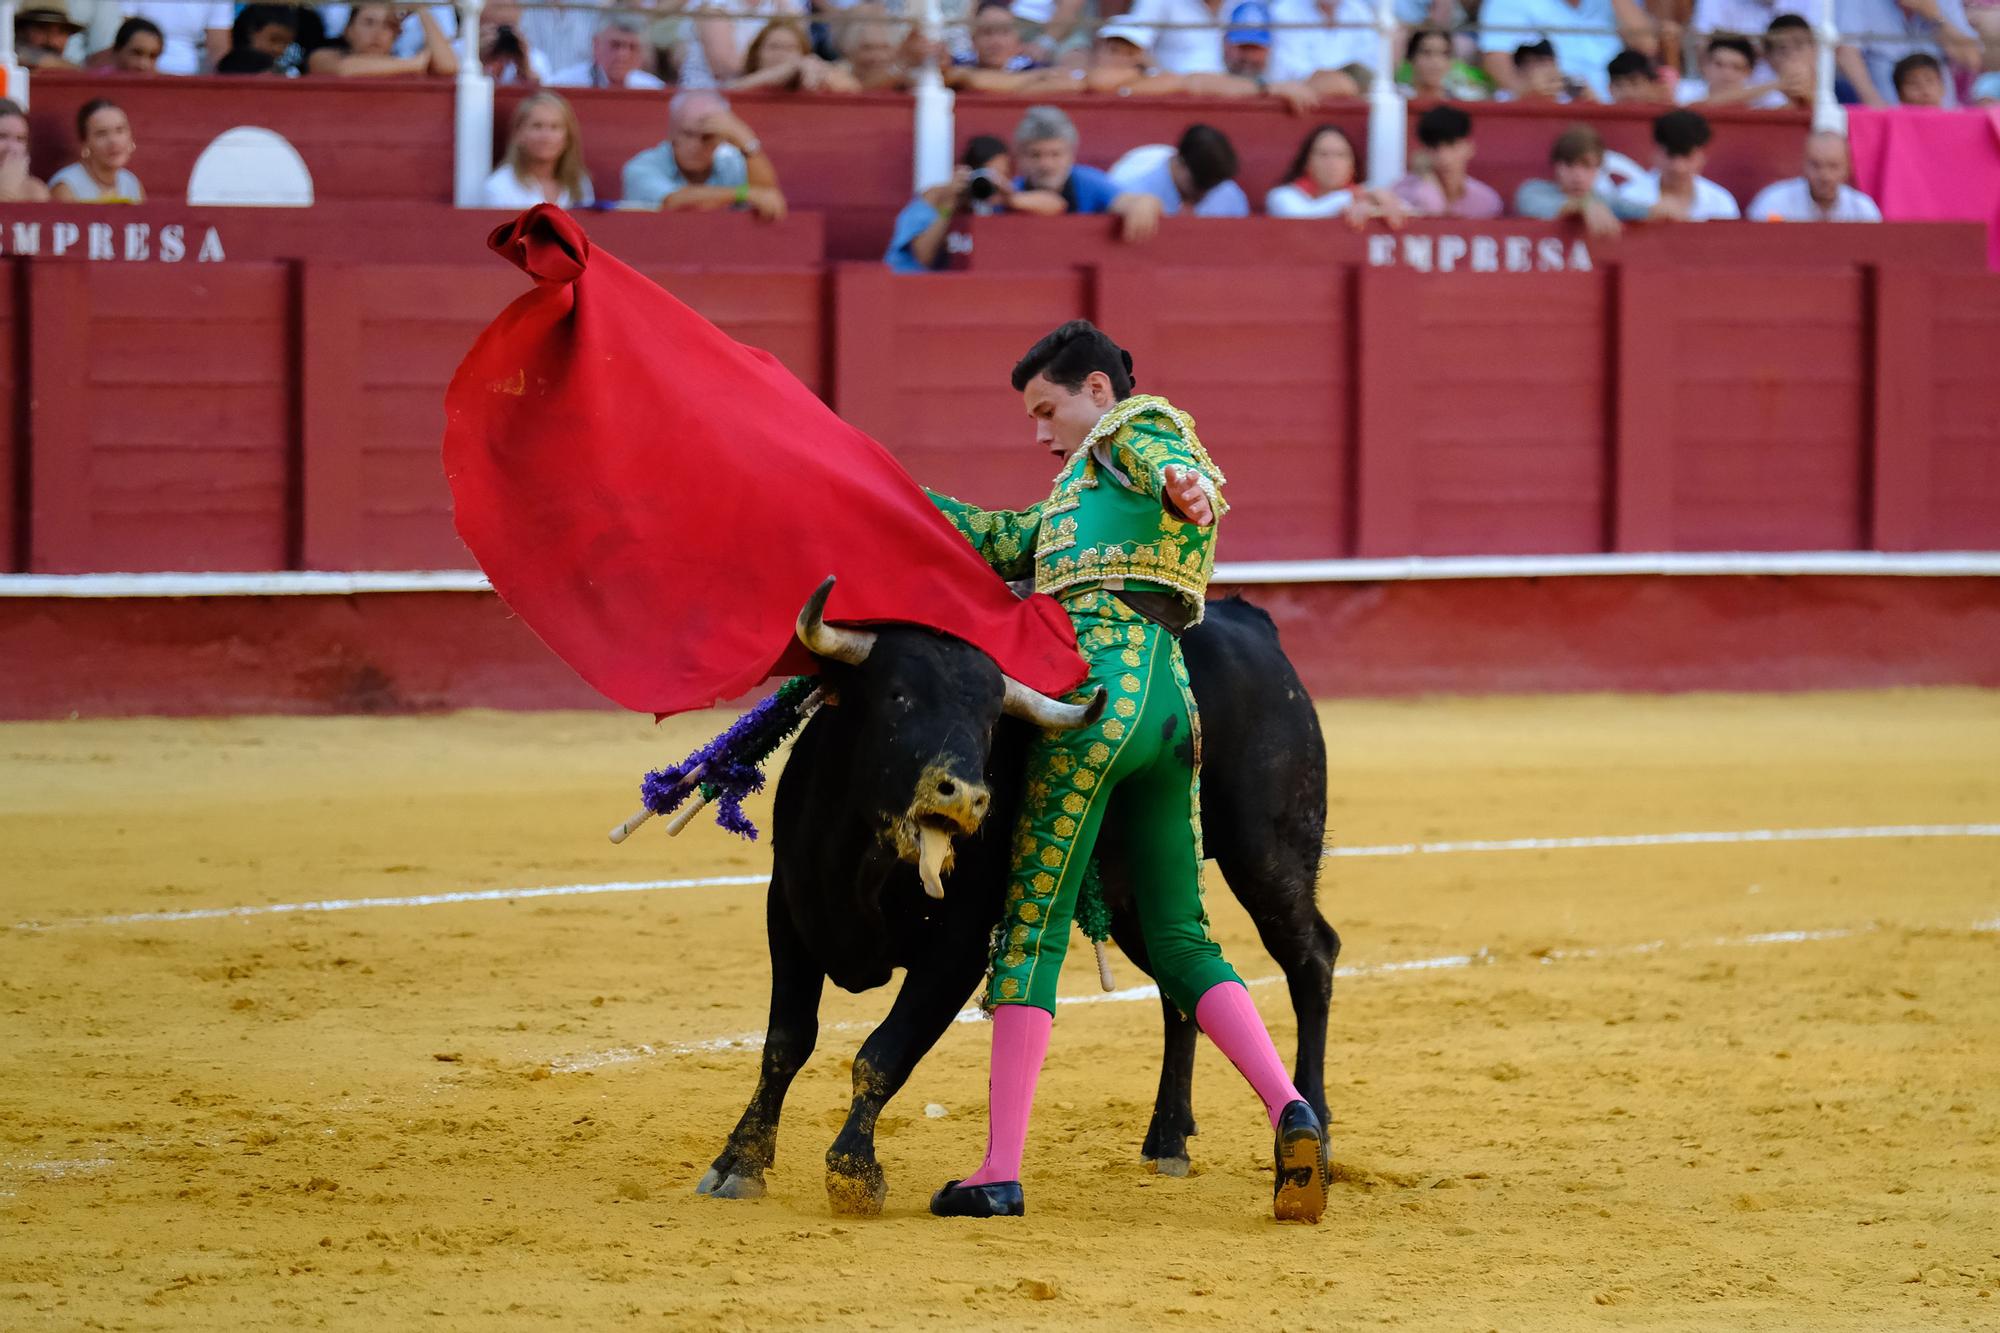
{"x": 918, "y": 738}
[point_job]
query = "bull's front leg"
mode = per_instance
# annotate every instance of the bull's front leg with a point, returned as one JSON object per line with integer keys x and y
{"x": 796, "y": 981}
{"x": 931, "y": 998}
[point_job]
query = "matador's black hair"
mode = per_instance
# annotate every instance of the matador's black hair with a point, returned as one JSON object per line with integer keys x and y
{"x": 1071, "y": 353}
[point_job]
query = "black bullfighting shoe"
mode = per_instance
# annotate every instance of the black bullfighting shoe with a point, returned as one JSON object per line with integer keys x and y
{"x": 1000, "y": 1199}
{"x": 1300, "y": 1192}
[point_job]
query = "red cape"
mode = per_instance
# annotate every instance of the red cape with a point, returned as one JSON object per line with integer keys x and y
{"x": 657, "y": 501}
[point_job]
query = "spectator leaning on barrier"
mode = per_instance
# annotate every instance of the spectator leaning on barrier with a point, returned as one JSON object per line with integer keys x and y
{"x": 1793, "y": 53}
{"x": 1308, "y": 47}
{"x": 618, "y": 54}
{"x": 135, "y": 50}
{"x": 1822, "y": 194}
{"x": 101, "y": 173}
{"x": 504, "y": 51}
{"x": 1937, "y": 28}
{"x": 1186, "y": 34}
{"x": 193, "y": 35}
{"x": 1321, "y": 184}
{"x": 1442, "y": 185}
{"x": 1197, "y": 174}
{"x": 871, "y": 51}
{"x": 781, "y": 57}
{"x": 543, "y": 163}
{"x": 981, "y": 186}
{"x": 711, "y": 160}
{"x": 366, "y": 48}
{"x": 996, "y": 41}
{"x": 1538, "y": 78}
{"x": 42, "y": 29}
{"x": 1635, "y": 78}
{"x": 1435, "y": 71}
{"x": 1045, "y": 154}
{"x": 17, "y": 186}
{"x": 1576, "y": 161}
{"x": 1675, "y": 190}
{"x": 1583, "y": 56}
{"x": 1728, "y": 65}
{"x": 717, "y": 50}
{"x": 1919, "y": 80}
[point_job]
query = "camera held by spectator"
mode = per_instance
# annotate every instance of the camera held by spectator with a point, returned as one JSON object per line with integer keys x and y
{"x": 504, "y": 51}
{"x": 981, "y": 185}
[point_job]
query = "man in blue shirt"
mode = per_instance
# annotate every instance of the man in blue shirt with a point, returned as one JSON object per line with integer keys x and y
{"x": 1045, "y": 151}
{"x": 929, "y": 230}
{"x": 710, "y": 160}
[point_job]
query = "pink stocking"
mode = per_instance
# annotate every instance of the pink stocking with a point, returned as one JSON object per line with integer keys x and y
{"x": 1020, "y": 1041}
{"x": 1230, "y": 1019}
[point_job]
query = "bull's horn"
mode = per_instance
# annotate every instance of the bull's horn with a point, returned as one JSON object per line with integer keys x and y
{"x": 851, "y": 646}
{"x": 1050, "y": 714}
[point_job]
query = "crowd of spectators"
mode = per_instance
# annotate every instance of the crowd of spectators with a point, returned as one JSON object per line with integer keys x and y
{"x": 1714, "y": 52}
{"x": 1742, "y": 54}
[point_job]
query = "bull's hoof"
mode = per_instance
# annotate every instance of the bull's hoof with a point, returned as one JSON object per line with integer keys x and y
{"x": 717, "y": 1185}
{"x": 856, "y": 1188}
{"x": 1168, "y": 1166}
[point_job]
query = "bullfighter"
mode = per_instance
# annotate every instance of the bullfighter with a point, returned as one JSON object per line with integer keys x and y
{"x": 1125, "y": 544}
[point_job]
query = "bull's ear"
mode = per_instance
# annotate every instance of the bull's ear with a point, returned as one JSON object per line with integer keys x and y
{"x": 834, "y": 642}
{"x": 1050, "y": 714}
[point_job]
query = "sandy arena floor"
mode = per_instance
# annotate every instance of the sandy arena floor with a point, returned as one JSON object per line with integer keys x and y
{"x": 1735, "y": 1086}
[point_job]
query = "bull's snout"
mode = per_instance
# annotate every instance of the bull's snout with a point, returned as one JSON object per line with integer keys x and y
{"x": 952, "y": 798}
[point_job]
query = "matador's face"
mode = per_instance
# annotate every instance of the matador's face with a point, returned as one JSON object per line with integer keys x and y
{"x": 1064, "y": 417}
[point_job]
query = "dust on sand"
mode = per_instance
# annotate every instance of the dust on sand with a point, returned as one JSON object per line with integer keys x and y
{"x": 493, "y": 1113}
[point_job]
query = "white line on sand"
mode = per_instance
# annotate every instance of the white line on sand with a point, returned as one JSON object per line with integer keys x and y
{"x": 1675, "y": 839}
{"x": 753, "y": 1041}
{"x": 724, "y": 881}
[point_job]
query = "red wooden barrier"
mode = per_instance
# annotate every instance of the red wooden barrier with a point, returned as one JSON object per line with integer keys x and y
{"x": 1461, "y": 391}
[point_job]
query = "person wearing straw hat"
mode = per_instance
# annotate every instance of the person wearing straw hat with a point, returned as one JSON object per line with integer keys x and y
{"x": 42, "y": 28}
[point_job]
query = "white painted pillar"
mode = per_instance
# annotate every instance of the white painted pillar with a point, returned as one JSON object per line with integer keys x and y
{"x": 935, "y": 131}
{"x": 1388, "y": 115}
{"x": 1828, "y": 113}
{"x": 472, "y": 113}
{"x": 13, "y": 78}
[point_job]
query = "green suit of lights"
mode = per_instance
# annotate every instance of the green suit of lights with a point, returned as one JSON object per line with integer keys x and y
{"x": 1105, "y": 527}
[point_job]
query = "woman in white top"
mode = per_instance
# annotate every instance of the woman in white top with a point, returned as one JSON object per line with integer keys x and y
{"x": 1321, "y": 184}
{"x": 99, "y": 176}
{"x": 544, "y": 162}
{"x": 716, "y": 53}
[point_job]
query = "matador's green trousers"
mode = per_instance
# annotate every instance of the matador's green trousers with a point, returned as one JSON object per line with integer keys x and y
{"x": 1143, "y": 755}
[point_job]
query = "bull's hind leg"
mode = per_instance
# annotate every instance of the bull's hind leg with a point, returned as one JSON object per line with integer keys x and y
{"x": 1278, "y": 894}
{"x": 1165, "y": 1149}
{"x": 930, "y": 999}
{"x": 796, "y": 982}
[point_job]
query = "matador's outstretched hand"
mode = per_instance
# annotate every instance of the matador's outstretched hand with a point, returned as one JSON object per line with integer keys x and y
{"x": 1187, "y": 496}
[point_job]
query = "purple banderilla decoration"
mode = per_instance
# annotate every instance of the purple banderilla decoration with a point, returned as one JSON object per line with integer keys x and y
{"x": 730, "y": 767}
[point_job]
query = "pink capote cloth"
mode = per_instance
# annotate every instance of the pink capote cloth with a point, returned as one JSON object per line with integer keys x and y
{"x": 1926, "y": 165}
